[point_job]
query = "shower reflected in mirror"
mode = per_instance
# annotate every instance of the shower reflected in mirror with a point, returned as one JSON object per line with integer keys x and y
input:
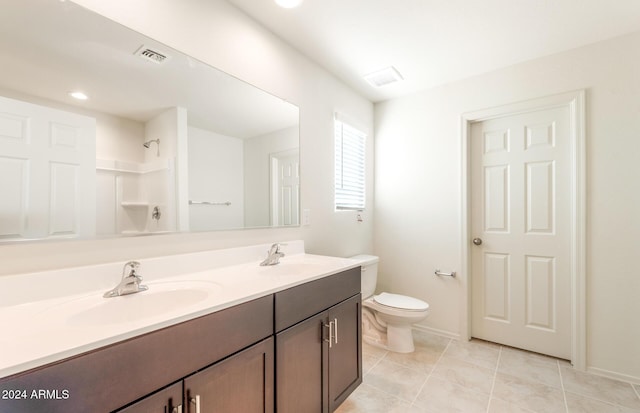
{"x": 147, "y": 144}
{"x": 92, "y": 175}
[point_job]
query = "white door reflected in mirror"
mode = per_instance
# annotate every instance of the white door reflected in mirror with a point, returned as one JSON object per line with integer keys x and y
{"x": 144, "y": 115}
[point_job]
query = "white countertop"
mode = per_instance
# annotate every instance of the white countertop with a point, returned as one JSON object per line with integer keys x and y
{"x": 59, "y": 326}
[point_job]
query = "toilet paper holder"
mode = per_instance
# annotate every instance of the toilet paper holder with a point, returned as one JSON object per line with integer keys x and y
{"x": 446, "y": 274}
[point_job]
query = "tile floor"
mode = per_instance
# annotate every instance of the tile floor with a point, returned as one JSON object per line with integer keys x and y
{"x": 445, "y": 375}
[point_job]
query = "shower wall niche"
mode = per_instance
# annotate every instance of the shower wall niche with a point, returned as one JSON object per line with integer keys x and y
{"x": 136, "y": 198}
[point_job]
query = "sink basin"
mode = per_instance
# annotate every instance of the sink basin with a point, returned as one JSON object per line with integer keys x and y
{"x": 159, "y": 299}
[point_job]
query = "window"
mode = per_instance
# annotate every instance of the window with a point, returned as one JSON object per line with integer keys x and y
{"x": 349, "y": 166}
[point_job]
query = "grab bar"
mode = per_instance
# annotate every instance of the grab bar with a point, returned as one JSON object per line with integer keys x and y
{"x": 208, "y": 203}
{"x": 446, "y": 274}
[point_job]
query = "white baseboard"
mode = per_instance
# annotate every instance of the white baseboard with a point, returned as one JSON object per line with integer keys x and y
{"x": 593, "y": 370}
{"x": 614, "y": 375}
{"x": 437, "y": 332}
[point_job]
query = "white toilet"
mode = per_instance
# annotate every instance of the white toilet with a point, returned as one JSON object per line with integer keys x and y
{"x": 387, "y": 318}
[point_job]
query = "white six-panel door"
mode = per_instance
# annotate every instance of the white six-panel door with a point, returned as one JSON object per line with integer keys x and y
{"x": 47, "y": 172}
{"x": 285, "y": 188}
{"x": 520, "y": 222}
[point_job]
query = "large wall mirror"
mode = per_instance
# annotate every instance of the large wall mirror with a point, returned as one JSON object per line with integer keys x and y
{"x": 163, "y": 142}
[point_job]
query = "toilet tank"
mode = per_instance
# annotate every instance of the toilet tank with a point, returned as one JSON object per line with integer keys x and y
{"x": 369, "y": 264}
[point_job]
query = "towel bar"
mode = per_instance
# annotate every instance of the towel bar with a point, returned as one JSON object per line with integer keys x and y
{"x": 446, "y": 274}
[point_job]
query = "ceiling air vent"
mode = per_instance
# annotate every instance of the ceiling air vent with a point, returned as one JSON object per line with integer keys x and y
{"x": 384, "y": 77}
{"x": 151, "y": 55}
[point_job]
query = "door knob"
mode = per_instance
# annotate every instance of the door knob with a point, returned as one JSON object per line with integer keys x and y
{"x": 477, "y": 241}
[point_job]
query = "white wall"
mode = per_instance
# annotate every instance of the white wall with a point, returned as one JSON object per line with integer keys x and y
{"x": 163, "y": 126}
{"x": 116, "y": 138}
{"x": 257, "y": 172}
{"x": 215, "y": 32}
{"x": 216, "y": 174}
{"x": 418, "y": 184}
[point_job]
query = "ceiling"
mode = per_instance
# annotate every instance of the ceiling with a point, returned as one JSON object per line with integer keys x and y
{"x": 74, "y": 48}
{"x": 433, "y": 42}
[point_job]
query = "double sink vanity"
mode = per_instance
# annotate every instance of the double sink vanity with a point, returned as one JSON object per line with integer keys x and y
{"x": 214, "y": 332}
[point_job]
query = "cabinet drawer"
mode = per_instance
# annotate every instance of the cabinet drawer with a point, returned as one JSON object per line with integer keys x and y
{"x": 110, "y": 377}
{"x": 298, "y": 303}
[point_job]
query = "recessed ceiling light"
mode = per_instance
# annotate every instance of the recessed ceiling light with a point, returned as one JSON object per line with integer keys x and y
{"x": 78, "y": 95}
{"x": 384, "y": 77}
{"x": 288, "y": 4}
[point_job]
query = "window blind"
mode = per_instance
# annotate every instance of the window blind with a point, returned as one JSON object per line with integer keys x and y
{"x": 349, "y": 166}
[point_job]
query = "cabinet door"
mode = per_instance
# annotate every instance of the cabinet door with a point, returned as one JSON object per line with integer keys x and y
{"x": 167, "y": 400}
{"x": 345, "y": 353}
{"x": 301, "y": 353}
{"x": 241, "y": 383}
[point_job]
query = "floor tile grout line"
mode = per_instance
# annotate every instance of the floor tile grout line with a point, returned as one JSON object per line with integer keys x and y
{"x": 564, "y": 392}
{"x": 592, "y": 396}
{"x": 501, "y": 353}
{"x": 637, "y": 390}
{"x": 375, "y": 364}
{"x": 390, "y": 361}
{"x": 600, "y": 400}
{"x": 495, "y": 375}
{"x": 431, "y": 372}
{"x": 589, "y": 395}
{"x": 377, "y": 388}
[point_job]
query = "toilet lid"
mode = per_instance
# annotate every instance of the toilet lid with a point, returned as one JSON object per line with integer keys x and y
{"x": 401, "y": 302}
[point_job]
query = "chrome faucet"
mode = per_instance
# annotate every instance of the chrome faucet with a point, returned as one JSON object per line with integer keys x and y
{"x": 130, "y": 284}
{"x": 273, "y": 255}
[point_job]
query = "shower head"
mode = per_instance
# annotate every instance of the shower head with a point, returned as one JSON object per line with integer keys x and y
{"x": 147, "y": 144}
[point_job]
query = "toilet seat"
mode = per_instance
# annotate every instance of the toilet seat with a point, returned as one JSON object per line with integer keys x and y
{"x": 400, "y": 302}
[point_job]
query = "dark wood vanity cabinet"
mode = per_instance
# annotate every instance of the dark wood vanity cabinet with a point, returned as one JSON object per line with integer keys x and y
{"x": 318, "y": 344}
{"x": 298, "y": 350}
{"x": 240, "y": 383}
{"x": 113, "y": 377}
